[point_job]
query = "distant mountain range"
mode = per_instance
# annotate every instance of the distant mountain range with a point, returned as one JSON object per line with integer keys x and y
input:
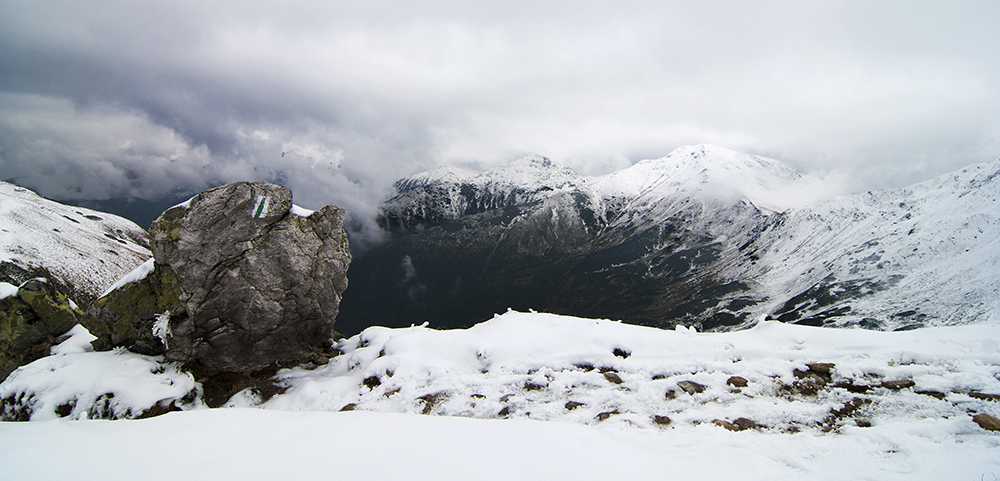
{"x": 705, "y": 237}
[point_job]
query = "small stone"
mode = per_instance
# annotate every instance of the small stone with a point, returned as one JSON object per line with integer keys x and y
{"x": 530, "y": 386}
{"x": 622, "y": 353}
{"x": 851, "y": 387}
{"x": 607, "y": 414}
{"x": 863, "y": 423}
{"x": 661, "y": 420}
{"x": 691, "y": 387}
{"x": 613, "y": 378}
{"x": 504, "y": 412}
{"x": 809, "y": 376}
{"x": 571, "y": 405}
{"x": 934, "y": 394}
{"x": 371, "y": 382}
{"x": 506, "y": 397}
{"x": 726, "y": 424}
{"x": 671, "y": 394}
{"x": 898, "y": 384}
{"x": 987, "y": 422}
{"x": 745, "y": 423}
{"x": 809, "y": 386}
{"x": 349, "y": 407}
{"x": 984, "y": 396}
{"x": 822, "y": 368}
{"x": 737, "y": 381}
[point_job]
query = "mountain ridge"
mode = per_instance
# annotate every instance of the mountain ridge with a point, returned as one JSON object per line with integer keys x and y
{"x": 704, "y": 236}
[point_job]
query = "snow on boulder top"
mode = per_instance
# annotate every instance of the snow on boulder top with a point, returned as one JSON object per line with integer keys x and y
{"x": 137, "y": 274}
{"x": 83, "y": 250}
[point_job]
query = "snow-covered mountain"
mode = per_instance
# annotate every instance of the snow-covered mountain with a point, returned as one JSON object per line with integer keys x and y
{"x": 704, "y": 236}
{"x": 81, "y": 250}
{"x": 923, "y": 254}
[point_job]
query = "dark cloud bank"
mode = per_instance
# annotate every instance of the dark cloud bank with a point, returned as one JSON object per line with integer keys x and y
{"x": 337, "y": 100}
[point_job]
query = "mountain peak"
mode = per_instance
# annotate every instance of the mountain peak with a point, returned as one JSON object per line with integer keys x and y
{"x": 769, "y": 184}
{"x": 441, "y": 175}
{"x": 529, "y": 173}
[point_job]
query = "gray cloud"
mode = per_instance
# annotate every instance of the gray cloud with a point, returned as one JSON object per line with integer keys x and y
{"x": 337, "y": 100}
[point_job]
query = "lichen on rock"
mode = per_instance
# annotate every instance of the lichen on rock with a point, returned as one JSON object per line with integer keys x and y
{"x": 124, "y": 317}
{"x": 31, "y": 321}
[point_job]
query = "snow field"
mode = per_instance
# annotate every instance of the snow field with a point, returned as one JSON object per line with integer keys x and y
{"x": 531, "y": 365}
{"x": 519, "y": 369}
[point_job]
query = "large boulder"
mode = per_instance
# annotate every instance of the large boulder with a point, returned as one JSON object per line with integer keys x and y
{"x": 32, "y": 318}
{"x": 259, "y": 280}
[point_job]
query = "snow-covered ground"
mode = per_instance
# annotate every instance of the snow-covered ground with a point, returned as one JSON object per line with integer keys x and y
{"x": 538, "y": 396}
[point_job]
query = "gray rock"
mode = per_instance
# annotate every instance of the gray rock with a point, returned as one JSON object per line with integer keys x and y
{"x": 691, "y": 387}
{"x": 258, "y": 285}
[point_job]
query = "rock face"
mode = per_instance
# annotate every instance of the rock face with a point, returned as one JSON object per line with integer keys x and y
{"x": 259, "y": 280}
{"x": 31, "y": 321}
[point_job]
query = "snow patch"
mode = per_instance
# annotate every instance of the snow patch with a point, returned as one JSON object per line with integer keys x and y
{"x": 184, "y": 205}
{"x": 80, "y": 247}
{"x": 7, "y": 290}
{"x": 137, "y": 274}
{"x": 78, "y": 342}
{"x": 78, "y": 384}
{"x": 299, "y": 211}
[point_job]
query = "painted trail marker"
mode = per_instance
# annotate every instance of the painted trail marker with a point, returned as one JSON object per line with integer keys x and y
{"x": 259, "y": 207}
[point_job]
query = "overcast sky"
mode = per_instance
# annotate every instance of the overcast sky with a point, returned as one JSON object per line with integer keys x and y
{"x": 339, "y": 99}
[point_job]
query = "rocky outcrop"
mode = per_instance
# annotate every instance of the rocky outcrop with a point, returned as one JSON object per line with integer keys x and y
{"x": 259, "y": 280}
{"x": 31, "y": 321}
